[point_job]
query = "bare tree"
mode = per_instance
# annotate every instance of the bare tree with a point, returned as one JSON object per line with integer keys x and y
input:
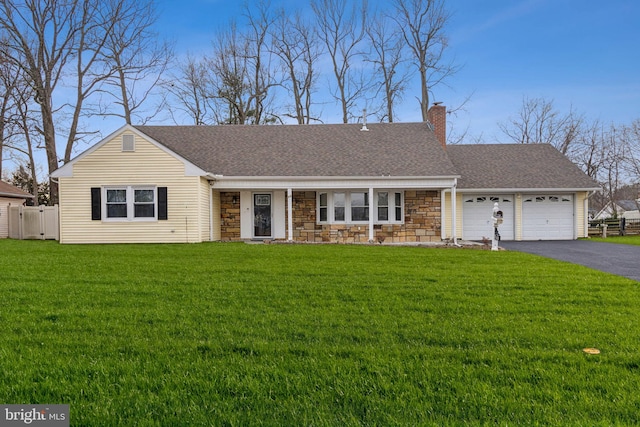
{"x": 538, "y": 122}
{"x": 341, "y": 30}
{"x": 297, "y": 47}
{"x": 261, "y": 76}
{"x": 615, "y": 154}
{"x": 50, "y": 39}
{"x": 630, "y": 134}
{"x": 17, "y": 122}
{"x": 190, "y": 89}
{"x": 229, "y": 76}
{"x": 387, "y": 47}
{"x": 137, "y": 57}
{"x": 93, "y": 26}
{"x": 589, "y": 150}
{"x": 26, "y": 124}
{"x": 41, "y": 38}
{"x": 423, "y": 24}
{"x": 11, "y": 81}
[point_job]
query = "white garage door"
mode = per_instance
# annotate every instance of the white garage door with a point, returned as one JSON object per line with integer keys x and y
{"x": 476, "y": 216}
{"x": 547, "y": 217}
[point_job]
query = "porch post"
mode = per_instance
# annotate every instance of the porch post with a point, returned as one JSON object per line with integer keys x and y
{"x": 289, "y": 214}
{"x": 443, "y": 214}
{"x": 453, "y": 212}
{"x": 371, "y": 212}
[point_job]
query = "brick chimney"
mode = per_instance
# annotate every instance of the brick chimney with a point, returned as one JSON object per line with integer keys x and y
{"x": 437, "y": 116}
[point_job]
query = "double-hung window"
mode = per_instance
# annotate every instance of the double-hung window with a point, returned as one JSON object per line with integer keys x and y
{"x": 130, "y": 203}
{"x": 389, "y": 206}
{"x": 353, "y": 207}
{"x": 359, "y": 207}
{"x": 339, "y": 203}
{"x": 116, "y": 202}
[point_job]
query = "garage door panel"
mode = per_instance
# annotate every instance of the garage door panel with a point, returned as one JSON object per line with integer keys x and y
{"x": 548, "y": 217}
{"x": 477, "y": 211}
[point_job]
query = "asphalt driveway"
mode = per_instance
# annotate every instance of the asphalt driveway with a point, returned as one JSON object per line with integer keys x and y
{"x": 623, "y": 260}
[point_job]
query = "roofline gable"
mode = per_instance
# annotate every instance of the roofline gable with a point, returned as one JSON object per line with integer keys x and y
{"x": 190, "y": 169}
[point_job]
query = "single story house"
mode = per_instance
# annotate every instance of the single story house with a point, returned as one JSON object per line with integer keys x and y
{"x": 9, "y": 196}
{"x": 340, "y": 183}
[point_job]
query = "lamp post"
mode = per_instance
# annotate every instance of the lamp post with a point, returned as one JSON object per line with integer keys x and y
{"x": 497, "y": 220}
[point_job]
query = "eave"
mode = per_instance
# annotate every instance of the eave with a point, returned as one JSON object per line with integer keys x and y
{"x": 331, "y": 182}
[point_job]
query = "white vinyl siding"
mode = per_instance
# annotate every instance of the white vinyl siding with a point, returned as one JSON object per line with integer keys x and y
{"x": 148, "y": 165}
{"x": 580, "y": 214}
{"x": 205, "y": 210}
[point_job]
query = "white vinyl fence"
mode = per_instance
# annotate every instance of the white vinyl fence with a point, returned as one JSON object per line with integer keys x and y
{"x": 33, "y": 222}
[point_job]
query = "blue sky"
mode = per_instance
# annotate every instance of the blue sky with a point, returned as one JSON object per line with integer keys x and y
{"x": 583, "y": 54}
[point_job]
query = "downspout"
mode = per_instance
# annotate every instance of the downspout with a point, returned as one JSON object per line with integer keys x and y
{"x": 453, "y": 212}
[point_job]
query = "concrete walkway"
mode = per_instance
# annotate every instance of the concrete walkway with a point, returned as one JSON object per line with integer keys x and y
{"x": 623, "y": 260}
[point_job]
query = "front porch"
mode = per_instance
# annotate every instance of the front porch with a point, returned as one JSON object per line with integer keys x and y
{"x": 421, "y": 220}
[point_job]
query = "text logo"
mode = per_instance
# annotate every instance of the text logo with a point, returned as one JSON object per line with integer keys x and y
{"x": 34, "y": 415}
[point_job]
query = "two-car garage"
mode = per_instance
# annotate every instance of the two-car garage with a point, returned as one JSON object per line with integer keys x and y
{"x": 525, "y": 216}
{"x": 543, "y": 195}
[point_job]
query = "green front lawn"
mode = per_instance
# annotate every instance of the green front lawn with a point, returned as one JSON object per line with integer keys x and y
{"x": 626, "y": 240}
{"x": 323, "y": 335}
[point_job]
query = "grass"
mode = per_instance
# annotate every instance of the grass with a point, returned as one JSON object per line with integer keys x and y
{"x": 626, "y": 240}
{"x": 235, "y": 334}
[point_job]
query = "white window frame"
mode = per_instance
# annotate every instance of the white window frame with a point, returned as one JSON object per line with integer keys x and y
{"x": 391, "y": 207}
{"x": 130, "y": 202}
{"x": 373, "y": 207}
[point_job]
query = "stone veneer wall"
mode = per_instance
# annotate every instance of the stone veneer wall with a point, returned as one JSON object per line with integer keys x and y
{"x": 422, "y": 222}
{"x": 229, "y": 216}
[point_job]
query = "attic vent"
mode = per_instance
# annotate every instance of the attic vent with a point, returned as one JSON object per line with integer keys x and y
{"x": 128, "y": 143}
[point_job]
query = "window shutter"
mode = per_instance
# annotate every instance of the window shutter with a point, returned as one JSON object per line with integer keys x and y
{"x": 96, "y": 204}
{"x": 162, "y": 203}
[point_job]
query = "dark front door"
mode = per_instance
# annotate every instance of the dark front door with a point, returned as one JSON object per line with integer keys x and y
{"x": 261, "y": 215}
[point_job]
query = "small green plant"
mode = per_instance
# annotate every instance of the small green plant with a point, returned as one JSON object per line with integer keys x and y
{"x": 235, "y": 334}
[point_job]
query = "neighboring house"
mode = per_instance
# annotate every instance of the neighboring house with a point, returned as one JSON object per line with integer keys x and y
{"x": 622, "y": 209}
{"x": 9, "y": 196}
{"x": 344, "y": 183}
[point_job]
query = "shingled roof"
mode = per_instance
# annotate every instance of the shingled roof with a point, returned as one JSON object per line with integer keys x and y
{"x": 8, "y": 190}
{"x": 339, "y": 150}
{"x": 516, "y": 166}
